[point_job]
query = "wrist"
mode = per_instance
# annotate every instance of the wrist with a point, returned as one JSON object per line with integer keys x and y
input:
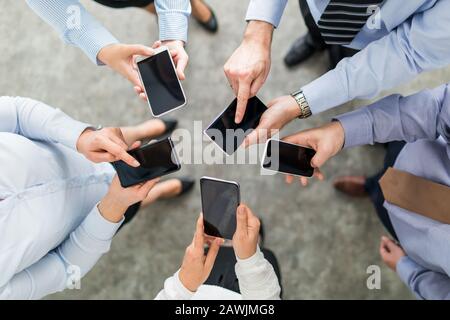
{"x": 184, "y": 281}
{"x": 111, "y": 209}
{"x": 260, "y": 32}
{"x": 80, "y": 142}
{"x": 105, "y": 52}
{"x": 293, "y": 109}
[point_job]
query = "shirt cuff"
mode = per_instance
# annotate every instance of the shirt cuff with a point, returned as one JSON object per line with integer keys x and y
{"x": 182, "y": 291}
{"x": 92, "y": 40}
{"x": 405, "y": 269}
{"x": 326, "y": 92}
{"x": 269, "y": 11}
{"x": 96, "y": 226}
{"x": 173, "y": 26}
{"x": 67, "y": 130}
{"x": 254, "y": 260}
{"x": 357, "y": 128}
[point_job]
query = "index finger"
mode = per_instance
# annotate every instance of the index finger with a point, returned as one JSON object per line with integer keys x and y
{"x": 242, "y": 98}
{"x": 119, "y": 152}
{"x": 198, "y": 241}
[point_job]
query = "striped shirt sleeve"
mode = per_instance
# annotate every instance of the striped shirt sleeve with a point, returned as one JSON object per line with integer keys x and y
{"x": 173, "y": 16}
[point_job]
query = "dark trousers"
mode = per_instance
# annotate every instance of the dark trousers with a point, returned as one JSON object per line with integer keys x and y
{"x": 373, "y": 187}
{"x": 223, "y": 273}
{"x": 336, "y": 52}
{"x": 125, "y": 3}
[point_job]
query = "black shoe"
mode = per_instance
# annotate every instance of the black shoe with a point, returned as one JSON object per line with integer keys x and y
{"x": 303, "y": 48}
{"x": 186, "y": 185}
{"x": 212, "y": 25}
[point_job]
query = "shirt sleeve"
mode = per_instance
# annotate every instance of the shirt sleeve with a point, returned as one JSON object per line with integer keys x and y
{"x": 424, "y": 115}
{"x": 174, "y": 290}
{"x": 257, "y": 278}
{"x": 75, "y": 25}
{"x": 67, "y": 264}
{"x": 38, "y": 121}
{"x": 269, "y": 11}
{"x": 425, "y": 284}
{"x": 173, "y": 16}
{"x": 419, "y": 44}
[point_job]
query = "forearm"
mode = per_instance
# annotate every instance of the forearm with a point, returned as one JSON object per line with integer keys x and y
{"x": 396, "y": 118}
{"x": 257, "y": 278}
{"x": 425, "y": 284}
{"x": 415, "y": 46}
{"x": 75, "y": 25}
{"x": 73, "y": 258}
{"x": 173, "y": 16}
{"x": 269, "y": 11}
{"x": 38, "y": 121}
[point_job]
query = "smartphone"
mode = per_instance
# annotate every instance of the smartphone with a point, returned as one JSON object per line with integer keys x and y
{"x": 288, "y": 158}
{"x": 156, "y": 158}
{"x": 228, "y": 135}
{"x": 161, "y": 84}
{"x": 220, "y": 199}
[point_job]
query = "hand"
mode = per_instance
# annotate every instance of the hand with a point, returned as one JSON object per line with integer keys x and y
{"x": 327, "y": 141}
{"x": 121, "y": 58}
{"x": 179, "y": 56}
{"x": 196, "y": 267}
{"x": 106, "y": 145}
{"x": 249, "y": 65}
{"x": 246, "y": 237}
{"x": 280, "y": 112}
{"x": 118, "y": 199}
{"x": 390, "y": 252}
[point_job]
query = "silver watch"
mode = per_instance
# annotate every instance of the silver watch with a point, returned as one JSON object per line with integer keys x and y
{"x": 305, "y": 111}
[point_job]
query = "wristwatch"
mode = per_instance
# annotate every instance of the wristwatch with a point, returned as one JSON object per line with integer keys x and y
{"x": 305, "y": 111}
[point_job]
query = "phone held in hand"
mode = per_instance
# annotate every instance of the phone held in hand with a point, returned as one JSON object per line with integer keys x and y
{"x": 288, "y": 158}
{"x": 156, "y": 158}
{"x": 220, "y": 199}
{"x": 227, "y": 134}
{"x": 161, "y": 84}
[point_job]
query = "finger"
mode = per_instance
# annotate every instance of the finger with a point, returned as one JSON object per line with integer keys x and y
{"x": 117, "y": 138}
{"x": 199, "y": 233}
{"x": 143, "y": 96}
{"x": 242, "y": 98}
{"x": 212, "y": 254}
{"x": 300, "y": 138}
{"x": 319, "y": 159}
{"x": 181, "y": 65}
{"x": 156, "y": 44}
{"x": 289, "y": 179}
{"x": 304, "y": 181}
{"x": 138, "y": 49}
{"x": 102, "y": 157}
{"x": 318, "y": 174}
{"x": 135, "y": 145}
{"x": 259, "y": 135}
{"x": 138, "y": 90}
{"x": 241, "y": 220}
{"x": 252, "y": 220}
{"x": 147, "y": 186}
{"x": 119, "y": 152}
{"x": 256, "y": 85}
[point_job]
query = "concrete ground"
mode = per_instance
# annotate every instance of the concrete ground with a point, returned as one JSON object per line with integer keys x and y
{"x": 324, "y": 240}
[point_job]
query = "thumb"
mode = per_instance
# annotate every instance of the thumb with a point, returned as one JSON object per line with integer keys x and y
{"x": 259, "y": 135}
{"x": 241, "y": 220}
{"x": 319, "y": 159}
{"x": 138, "y": 49}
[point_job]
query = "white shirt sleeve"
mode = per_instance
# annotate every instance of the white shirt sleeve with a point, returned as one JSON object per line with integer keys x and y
{"x": 38, "y": 121}
{"x": 269, "y": 11}
{"x": 67, "y": 264}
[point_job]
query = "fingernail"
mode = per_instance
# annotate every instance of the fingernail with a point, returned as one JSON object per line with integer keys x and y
{"x": 136, "y": 163}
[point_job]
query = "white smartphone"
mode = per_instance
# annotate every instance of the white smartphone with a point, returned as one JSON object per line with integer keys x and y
{"x": 160, "y": 81}
{"x": 288, "y": 158}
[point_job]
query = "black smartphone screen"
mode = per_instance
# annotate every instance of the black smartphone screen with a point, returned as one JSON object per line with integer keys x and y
{"x": 226, "y": 133}
{"x": 161, "y": 83}
{"x": 157, "y": 159}
{"x": 220, "y": 200}
{"x": 288, "y": 158}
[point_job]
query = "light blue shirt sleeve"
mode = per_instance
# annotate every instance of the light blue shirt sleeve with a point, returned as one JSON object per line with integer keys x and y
{"x": 425, "y": 284}
{"x": 173, "y": 16}
{"x": 269, "y": 11}
{"x": 417, "y": 45}
{"x": 75, "y": 25}
{"x": 67, "y": 263}
{"x": 424, "y": 115}
{"x": 38, "y": 121}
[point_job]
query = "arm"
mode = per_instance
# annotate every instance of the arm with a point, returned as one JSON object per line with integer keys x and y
{"x": 419, "y": 44}
{"x": 424, "y": 115}
{"x": 38, "y": 121}
{"x": 82, "y": 249}
{"x": 269, "y": 11}
{"x": 75, "y": 25}
{"x": 174, "y": 290}
{"x": 257, "y": 278}
{"x": 425, "y": 284}
{"x": 173, "y": 18}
